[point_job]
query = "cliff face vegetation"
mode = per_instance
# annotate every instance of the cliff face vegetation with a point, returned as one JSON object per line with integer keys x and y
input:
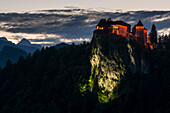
{"x": 129, "y": 74}
{"x": 108, "y": 75}
{"x": 109, "y": 59}
{"x": 112, "y": 57}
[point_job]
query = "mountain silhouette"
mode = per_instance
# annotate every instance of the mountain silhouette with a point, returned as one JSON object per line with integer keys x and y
{"x": 24, "y": 42}
{"x": 26, "y": 45}
{"x": 10, "y": 53}
{"x": 3, "y": 39}
{"x": 4, "y": 42}
{"x": 61, "y": 45}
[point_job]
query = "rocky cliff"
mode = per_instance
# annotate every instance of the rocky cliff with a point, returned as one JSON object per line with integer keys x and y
{"x": 111, "y": 58}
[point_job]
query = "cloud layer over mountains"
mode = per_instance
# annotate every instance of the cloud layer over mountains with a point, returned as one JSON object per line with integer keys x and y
{"x": 48, "y": 27}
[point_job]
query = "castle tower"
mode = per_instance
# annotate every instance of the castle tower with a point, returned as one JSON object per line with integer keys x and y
{"x": 141, "y": 32}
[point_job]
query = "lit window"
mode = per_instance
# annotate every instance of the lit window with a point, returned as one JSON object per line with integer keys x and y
{"x": 115, "y": 27}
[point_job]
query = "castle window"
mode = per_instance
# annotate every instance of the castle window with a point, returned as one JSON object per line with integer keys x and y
{"x": 100, "y": 28}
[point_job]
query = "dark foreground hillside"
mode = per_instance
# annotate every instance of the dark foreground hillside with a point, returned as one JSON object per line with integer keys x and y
{"x": 47, "y": 82}
{"x": 68, "y": 81}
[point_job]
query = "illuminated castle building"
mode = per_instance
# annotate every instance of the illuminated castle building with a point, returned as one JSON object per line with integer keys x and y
{"x": 139, "y": 32}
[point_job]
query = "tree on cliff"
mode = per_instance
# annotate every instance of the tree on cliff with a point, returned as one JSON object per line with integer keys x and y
{"x": 153, "y": 34}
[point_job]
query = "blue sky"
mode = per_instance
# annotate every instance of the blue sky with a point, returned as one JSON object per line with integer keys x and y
{"x": 28, "y": 5}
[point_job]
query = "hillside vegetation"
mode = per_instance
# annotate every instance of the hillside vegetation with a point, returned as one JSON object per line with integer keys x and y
{"x": 104, "y": 76}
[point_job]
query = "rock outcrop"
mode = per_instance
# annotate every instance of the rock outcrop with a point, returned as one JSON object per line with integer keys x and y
{"x": 111, "y": 58}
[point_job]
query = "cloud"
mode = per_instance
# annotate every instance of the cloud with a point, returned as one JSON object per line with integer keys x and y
{"x": 162, "y": 19}
{"x": 74, "y": 40}
{"x": 164, "y": 31}
{"x": 16, "y": 37}
{"x": 71, "y": 24}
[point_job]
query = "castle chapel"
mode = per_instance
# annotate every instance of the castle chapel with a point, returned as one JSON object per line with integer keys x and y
{"x": 139, "y": 32}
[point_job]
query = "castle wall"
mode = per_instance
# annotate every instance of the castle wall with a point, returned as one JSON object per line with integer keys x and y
{"x": 139, "y": 31}
{"x": 145, "y": 36}
{"x": 119, "y": 30}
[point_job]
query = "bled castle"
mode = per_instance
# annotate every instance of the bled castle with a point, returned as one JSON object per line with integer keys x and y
{"x": 139, "y": 33}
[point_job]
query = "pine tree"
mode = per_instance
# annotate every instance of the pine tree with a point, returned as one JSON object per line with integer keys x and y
{"x": 153, "y": 34}
{"x": 9, "y": 64}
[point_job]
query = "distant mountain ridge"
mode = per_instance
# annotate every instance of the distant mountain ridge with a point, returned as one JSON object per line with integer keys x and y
{"x": 4, "y": 42}
{"x": 24, "y": 42}
{"x": 26, "y": 45}
{"x": 61, "y": 45}
{"x": 3, "y": 39}
{"x": 12, "y": 52}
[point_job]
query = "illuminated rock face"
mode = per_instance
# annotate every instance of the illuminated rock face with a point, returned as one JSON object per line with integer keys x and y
{"x": 112, "y": 57}
{"x": 108, "y": 59}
